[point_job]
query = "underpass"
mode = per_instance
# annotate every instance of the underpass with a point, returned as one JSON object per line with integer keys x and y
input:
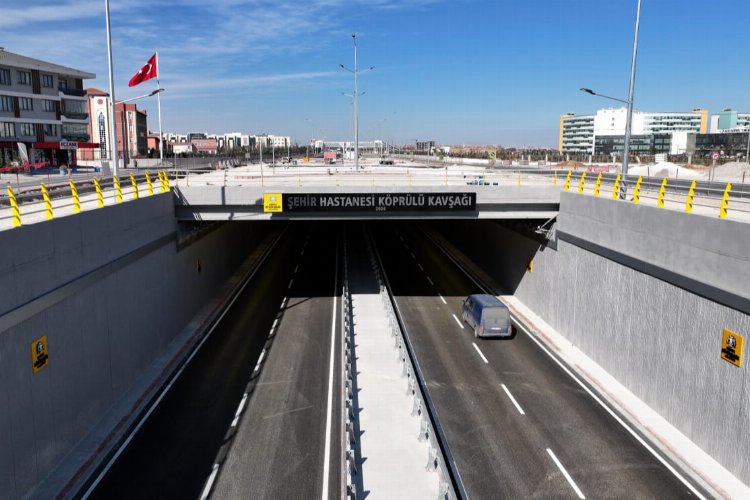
{"x": 516, "y": 422}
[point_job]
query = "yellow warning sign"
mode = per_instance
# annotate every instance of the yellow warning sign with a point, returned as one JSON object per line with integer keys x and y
{"x": 39, "y": 354}
{"x": 492, "y": 153}
{"x": 731, "y": 347}
{"x": 272, "y": 202}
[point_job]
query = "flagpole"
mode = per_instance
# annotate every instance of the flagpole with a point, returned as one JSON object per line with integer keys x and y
{"x": 158, "y": 107}
{"x": 112, "y": 128}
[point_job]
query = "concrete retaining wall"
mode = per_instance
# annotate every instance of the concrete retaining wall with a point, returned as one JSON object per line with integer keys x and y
{"x": 645, "y": 293}
{"x": 109, "y": 288}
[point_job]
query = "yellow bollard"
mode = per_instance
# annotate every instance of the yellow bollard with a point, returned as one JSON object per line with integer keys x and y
{"x": 662, "y": 192}
{"x": 690, "y": 196}
{"x": 161, "y": 181}
{"x": 151, "y": 186}
{"x": 616, "y": 187}
{"x": 118, "y": 189}
{"x": 582, "y": 182}
{"x": 99, "y": 195}
{"x": 14, "y": 207}
{"x": 135, "y": 186}
{"x": 637, "y": 190}
{"x": 47, "y": 201}
{"x": 598, "y": 185}
{"x": 76, "y": 198}
{"x": 725, "y": 201}
{"x": 567, "y": 180}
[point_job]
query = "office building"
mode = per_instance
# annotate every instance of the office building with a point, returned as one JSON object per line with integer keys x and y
{"x": 41, "y": 104}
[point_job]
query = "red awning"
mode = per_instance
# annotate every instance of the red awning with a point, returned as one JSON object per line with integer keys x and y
{"x": 56, "y": 145}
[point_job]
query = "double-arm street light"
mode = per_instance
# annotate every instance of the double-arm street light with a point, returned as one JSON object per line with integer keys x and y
{"x": 629, "y": 102}
{"x": 356, "y": 71}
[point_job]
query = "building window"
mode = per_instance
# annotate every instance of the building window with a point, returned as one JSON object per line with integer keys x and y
{"x": 4, "y": 76}
{"x": 26, "y": 103}
{"x": 24, "y": 77}
{"x": 48, "y": 105}
{"x": 6, "y": 103}
{"x": 62, "y": 84}
{"x": 7, "y": 129}
{"x": 50, "y": 129}
{"x": 47, "y": 81}
{"x": 27, "y": 129}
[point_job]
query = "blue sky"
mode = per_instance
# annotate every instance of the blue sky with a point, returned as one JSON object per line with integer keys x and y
{"x": 458, "y": 71}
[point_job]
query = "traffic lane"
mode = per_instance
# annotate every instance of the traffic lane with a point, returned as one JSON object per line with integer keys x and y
{"x": 174, "y": 450}
{"x": 605, "y": 457}
{"x": 278, "y": 450}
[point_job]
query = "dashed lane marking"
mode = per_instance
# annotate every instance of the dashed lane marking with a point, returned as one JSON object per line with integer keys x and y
{"x": 513, "y": 400}
{"x": 458, "y": 321}
{"x": 567, "y": 476}
{"x": 480, "y": 352}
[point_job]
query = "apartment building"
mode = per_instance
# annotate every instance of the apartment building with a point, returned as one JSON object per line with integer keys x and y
{"x": 41, "y": 103}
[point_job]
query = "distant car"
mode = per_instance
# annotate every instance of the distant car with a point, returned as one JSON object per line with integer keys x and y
{"x": 487, "y": 316}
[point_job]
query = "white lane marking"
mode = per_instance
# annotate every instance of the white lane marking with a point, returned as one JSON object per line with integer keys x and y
{"x": 413, "y": 256}
{"x": 441, "y": 298}
{"x": 567, "y": 476}
{"x": 329, "y": 404}
{"x": 613, "y": 414}
{"x": 239, "y": 410}
{"x": 401, "y": 238}
{"x": 210, "y": 482}
{"x": 480, "y": 352}
{"x": 518, "y": 407}
{"x": 420, "y": 267}
{"x": 275, "y": 322}
{"x": 283, "y": 302}
{"x": 296, "y": 268}
{"x": 458, "y": 321}
{"x": 302, "y": 252}
{"x": 431, "y": 283}
{"x": 260, "y": 361}
{"x": 290, "y": 283}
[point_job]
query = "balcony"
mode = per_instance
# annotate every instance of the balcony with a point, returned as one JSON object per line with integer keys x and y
{"x": 73, "y": 92}
{"x": 75, "y": 115}
{"x": 75, "y": 136}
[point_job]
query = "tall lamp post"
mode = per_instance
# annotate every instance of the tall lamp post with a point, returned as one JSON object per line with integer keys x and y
{"x": 356, "y": 71}
{"x": 629, "y": 102}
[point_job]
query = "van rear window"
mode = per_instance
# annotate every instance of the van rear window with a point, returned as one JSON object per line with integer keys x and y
{"x": 497, "y": 315}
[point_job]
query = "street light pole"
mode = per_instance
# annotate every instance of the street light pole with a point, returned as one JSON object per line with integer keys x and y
{"x": 112, "y": 128}
{"x": 356, "y": 101}
{"x": 629, "y": 120}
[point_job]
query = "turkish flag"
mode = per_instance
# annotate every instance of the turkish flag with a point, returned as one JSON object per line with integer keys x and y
{"x": 147, "y": 72}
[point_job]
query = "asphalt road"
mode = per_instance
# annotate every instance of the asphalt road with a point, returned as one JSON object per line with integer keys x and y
{"x": 279, "y": 448}
{"x": 513, "y": 419}
{"x": 173, "y": 453}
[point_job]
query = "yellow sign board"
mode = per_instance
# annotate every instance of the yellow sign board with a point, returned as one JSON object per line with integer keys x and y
{"x": 272, "y": 202}
{"x": 492, "y": 154}
{"x": 39, "y": 354}
{"x": 731, "y": 347}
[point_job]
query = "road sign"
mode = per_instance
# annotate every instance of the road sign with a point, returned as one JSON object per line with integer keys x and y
{"x": 731, "y": 347}
{"x": 70, "y": 145}
{"x": 272, "y": 202}
{"x": 492, "y": 154}
{"x": 39, "y": 355}
{"x": 715, "y": 155}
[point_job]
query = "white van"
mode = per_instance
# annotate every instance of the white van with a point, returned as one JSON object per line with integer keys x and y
{"x": 487, "y": 316}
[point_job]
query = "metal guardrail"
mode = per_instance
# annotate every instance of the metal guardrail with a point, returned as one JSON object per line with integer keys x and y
{"x": 440, "y": 459}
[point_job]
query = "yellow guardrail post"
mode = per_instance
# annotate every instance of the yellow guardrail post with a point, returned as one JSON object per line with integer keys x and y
{"x": 162, "y": 186}
{"x": 582, "y": 182}
{"x": 616, "y": 187}
{"x": 725, "y": 201}
{"x": 135, "y": 186}
{"x": 150, "y": 185}
{"x": 118, "y": 189}
{"x": 47, "y": 202}
{"x": 598, "y": 185}
{"x": 99, "y": 195}
{"x": 690, "y": 196}
{"x": 76, "y": 198}
{"x": 662, "y": 192}
{"x": 14, "y": 207}
{"x": 567, "y": 180}
{"x": 519, "y": 177}
{"x": 637, "y": 190}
